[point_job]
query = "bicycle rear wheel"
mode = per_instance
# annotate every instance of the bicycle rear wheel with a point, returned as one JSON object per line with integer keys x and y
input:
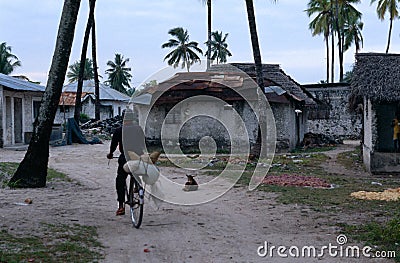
{"x": 136, "y": 202}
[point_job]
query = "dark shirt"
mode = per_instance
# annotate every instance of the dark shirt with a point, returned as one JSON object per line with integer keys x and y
{"x": 131, "y": 137}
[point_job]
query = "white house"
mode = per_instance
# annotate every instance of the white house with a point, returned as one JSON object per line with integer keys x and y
{"x": 19, "y": 106}
{"x": 112, "y": 102}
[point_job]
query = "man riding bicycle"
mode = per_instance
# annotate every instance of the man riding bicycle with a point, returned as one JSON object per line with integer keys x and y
{"x": 130, "y": 136}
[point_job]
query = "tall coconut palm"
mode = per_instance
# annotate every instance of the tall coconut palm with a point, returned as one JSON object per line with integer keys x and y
{"x": 321, "y": 24}
{"x": 8, "y": 61}
{"x": 345, "y": 13}
{"x": 256, "y": 150}
{"x": 219, "y": 47}
{"x": 209, "y": 29}
{"x": 83, "y": 67}
{"x": 73, "y": 73}
{"x": 183, "y": 49}
{"x": 32, "y": 171}
{"x": 352, "y": 33}
{"x": 95, "y": 72}
{"x": 390, "y": 7}
{"x": 118, "y": 73}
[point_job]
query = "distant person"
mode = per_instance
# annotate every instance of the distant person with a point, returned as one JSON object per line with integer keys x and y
{"x": 130, "y": 136}
{"x": 396, "y": 136}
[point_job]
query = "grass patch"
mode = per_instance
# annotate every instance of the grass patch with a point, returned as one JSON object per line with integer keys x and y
{"x": 351, "y": 159}
{"x": 7, "y": 169}
{"x": 52, "y": 243}
{"x": 380, "y": 236}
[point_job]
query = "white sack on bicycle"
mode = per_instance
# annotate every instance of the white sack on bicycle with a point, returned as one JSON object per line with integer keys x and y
{"x": 149, "y": 172}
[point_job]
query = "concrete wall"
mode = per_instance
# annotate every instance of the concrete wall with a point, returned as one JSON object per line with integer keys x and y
{"x": 368, "y": 116}
{"x": 340, "y": 122}
{"x": 378, "y": 155}
{"x": 192, "y": 129}
{"x": 17, "y": 118}
{"x": 198, "y": 127}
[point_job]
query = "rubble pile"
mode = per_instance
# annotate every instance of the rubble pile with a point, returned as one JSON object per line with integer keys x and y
{"x": 319, "y": 140}
{"x": 102, "y": 128}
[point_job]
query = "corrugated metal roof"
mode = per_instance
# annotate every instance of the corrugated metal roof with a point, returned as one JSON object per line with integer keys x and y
{"x": 106, "y": 93}
{"x": 19, "y": 84}
{"x": 69, "y": 98}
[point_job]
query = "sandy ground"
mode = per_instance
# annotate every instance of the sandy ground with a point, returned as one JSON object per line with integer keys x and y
{"x": 229, "y": 229}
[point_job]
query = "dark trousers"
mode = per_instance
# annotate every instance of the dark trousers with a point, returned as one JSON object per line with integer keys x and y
{"x": 120, "y": 181}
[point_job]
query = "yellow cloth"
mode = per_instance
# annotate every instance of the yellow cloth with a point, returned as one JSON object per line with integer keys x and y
{"x": 396, "y": 129}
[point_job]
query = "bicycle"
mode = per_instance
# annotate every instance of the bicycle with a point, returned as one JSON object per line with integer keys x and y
{"x": 135, "y": 200}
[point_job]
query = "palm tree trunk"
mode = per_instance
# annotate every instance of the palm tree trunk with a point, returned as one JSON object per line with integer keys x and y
{"x": 96, "y": 74}
{"x": 32, "y": 171}
{"x": 209, "y": 33}
{"x": 78, "y": 102}
{"x": 340, "y": 45}
{"x": 254, "y": 42}
{"x": 256, "y": 149}
{"x": 390, "y": 34}
{"x": 327, "y": 57}
{"x": 333, "y": 56}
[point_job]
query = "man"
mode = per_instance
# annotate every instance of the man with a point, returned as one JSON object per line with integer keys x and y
{"x": 130, "y": 136}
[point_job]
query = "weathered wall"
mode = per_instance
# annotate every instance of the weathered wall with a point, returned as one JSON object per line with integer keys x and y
{"x": 196, "y": 128}
{"x": 369, "y": 130}
{"x": 192, "y": 129}
{"x": 8, "y": 111}
{"x": 383, "y": 162}
{"x": 338, "y": 121}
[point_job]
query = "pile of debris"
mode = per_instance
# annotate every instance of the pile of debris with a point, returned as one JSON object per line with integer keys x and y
{"x": 319, "y": 140}
{"x": 105, "y": 127}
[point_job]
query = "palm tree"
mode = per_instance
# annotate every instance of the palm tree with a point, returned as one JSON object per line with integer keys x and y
{"x": 32, "y": 171}
{"x": 118, "y": 73}
{"x": 346, "y": 13}
{"x": 256, "y": 150}
{"x": 352, "y": 33}
{"x": 73, "y": 73}
{"x": 387, "y": 6}
{"x": 82, "y": 67}
{"x": 219, "y": 47}
{"x": 321, "y": 24}
{"x": 184, "y": 49}
{"x": 209, "y": 29}
{"x": 94, "y": 57}
{"x": 8, "y": 61}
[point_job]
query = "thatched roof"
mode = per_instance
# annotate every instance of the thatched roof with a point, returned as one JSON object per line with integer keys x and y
{"x": 274, "y": 73}
{"x": 377, "y": 77}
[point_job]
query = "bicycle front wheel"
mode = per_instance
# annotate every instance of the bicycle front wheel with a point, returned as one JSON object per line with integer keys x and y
{"x": 136, "y": 202}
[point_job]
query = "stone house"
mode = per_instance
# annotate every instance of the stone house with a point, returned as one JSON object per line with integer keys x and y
{"x": 112, "y": 102}
{"x": 375, "y": 84}
{"x": 19, "y": 106}
{"x": 287, "y": 99}
{"x": 331, "y": 115}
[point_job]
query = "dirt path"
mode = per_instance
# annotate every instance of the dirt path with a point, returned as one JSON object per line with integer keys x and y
{"x": 229, "y": 229}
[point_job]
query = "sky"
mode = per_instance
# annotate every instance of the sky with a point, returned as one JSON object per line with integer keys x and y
{"x": 137, "y": 29}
